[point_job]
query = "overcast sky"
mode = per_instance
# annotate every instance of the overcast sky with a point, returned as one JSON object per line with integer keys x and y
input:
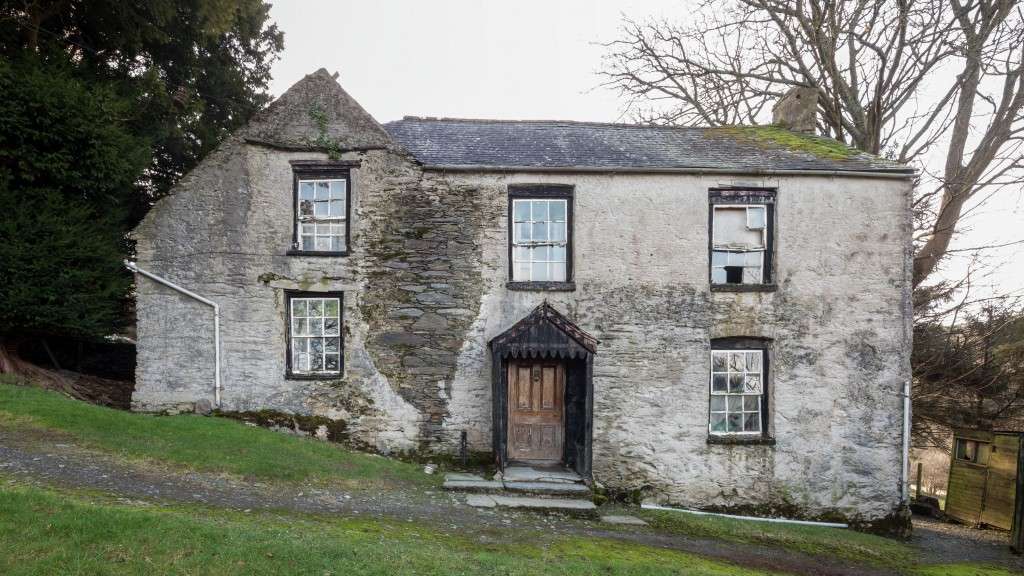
{"x": 519, "y": 60}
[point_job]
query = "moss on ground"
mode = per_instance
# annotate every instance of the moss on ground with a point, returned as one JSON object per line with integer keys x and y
{"x": 778, "y": 137}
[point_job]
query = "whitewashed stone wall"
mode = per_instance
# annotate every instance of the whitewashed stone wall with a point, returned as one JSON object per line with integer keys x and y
{"x": 839, "y": 324}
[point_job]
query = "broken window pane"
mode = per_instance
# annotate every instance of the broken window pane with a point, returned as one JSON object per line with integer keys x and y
{"x": 315, "y": 331}
{"x": 731, "y": 231}
{"x": 736, "y": 390}
{"x": 739, "y": 239}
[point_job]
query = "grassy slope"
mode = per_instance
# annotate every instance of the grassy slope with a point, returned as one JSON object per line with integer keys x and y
{"x": 42, "y": 532}
{"x": 215, "y": 444}
{"x": 829, "y": 542}
{"x": 200, "y": 443}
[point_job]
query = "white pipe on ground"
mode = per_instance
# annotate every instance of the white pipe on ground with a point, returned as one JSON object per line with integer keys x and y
{"x": 216, "y": 319}
{"x": 753, "y": 518}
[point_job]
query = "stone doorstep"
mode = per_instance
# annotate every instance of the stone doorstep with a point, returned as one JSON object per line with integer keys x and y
{"x": 530, "y": 474}
{"x": 547, "y": 488}
{"x": 461, "y": 482}
{"x": 473, "y": 485}
{"x": 567, "y": 506}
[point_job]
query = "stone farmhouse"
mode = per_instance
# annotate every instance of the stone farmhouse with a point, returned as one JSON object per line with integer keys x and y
{"x": 717, "y": 317}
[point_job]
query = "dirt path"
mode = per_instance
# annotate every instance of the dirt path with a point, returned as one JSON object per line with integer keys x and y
{"x": 43, "y": 459}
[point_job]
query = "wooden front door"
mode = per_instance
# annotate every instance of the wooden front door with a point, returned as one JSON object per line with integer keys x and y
{"x": 536, "y": 405}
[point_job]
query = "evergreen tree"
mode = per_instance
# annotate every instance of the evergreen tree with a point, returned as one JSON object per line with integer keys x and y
{"x": 104, "y": 105}
{"x": 68, "y": 165}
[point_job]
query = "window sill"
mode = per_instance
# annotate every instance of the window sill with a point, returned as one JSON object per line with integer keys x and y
{"x": 542, "y": 286}
{"x": 744, "y": 287}
{"x": 292, "y": 376}
{"x": 741, "y": 440}
{"x": 319, "y": 253}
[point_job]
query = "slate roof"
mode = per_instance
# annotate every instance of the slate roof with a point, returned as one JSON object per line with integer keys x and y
{"x": 547, "y": 145}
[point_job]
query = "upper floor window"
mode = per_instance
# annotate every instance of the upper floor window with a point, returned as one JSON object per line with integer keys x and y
{"x": 322, "y": 215}
{"x": 741, "y": 237}
{"x": 540, "y": 239}
{"x": 321, "y": 208}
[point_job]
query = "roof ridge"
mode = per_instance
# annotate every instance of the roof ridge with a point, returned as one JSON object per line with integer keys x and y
{"x": 544, "y": 121}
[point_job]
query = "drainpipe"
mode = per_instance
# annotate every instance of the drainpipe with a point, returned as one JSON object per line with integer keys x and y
{"x": 905, "y": 471}
{"x": 216, "y": 320}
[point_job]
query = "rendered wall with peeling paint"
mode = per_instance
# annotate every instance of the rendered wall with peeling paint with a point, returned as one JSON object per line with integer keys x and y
{"x": 839, "y": 325}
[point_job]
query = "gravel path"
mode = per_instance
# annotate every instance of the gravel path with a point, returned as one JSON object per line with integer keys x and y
{"x": 943, "y": 542}
{"x": 53, "y": 460}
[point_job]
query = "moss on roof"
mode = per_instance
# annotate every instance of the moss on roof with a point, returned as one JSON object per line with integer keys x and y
{"x": 778, "y": 137}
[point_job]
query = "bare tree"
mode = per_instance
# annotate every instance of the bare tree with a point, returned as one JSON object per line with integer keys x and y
{"x": 969, "y": 372}
{"x": 900, "y": 78}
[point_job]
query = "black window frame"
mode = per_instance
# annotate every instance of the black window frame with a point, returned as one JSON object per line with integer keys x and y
{"x": 544, "y": 192}
{"x": 322, "y": 170}
{"x": 764, "y": 345}
{"x": 745, "y": 196}
{"x": 291, "y": 375}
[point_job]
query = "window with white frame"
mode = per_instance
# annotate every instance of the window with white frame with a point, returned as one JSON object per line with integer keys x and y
{"x": 540, "y": 239}
{"x": 737, "y": 391}
{"x": 315, "y": 334}
{"x": 321, "y": 215}
{"x": 739, "y": 242}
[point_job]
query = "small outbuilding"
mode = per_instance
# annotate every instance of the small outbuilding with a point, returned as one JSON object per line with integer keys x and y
{"x": 985, "y": 479}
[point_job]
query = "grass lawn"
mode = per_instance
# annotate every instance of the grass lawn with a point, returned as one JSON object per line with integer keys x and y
{"x": 45, "y": 532}
{"x": 201, "y": 443}
{"x": 848, "y": 545}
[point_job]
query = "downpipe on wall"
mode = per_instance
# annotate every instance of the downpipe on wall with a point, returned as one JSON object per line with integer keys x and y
{"x": 216, "y": 319}
{"x": 905, "y": 470}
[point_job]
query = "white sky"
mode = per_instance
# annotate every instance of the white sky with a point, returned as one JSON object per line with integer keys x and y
{"x": 520, "y": 60}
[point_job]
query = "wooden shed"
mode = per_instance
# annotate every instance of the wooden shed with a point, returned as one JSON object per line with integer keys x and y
{"x": 984, "y": 478}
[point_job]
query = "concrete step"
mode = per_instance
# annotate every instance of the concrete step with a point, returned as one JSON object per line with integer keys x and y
{"x": 548, "y": 488}
{"x": 471, "y": 483}
{"x": 484, "y": 486}
{"x": 534, "y": 474}
{"x": 575, "y": 507}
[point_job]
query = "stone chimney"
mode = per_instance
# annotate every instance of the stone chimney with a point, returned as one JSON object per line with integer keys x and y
{"x": 797, "y": 110}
